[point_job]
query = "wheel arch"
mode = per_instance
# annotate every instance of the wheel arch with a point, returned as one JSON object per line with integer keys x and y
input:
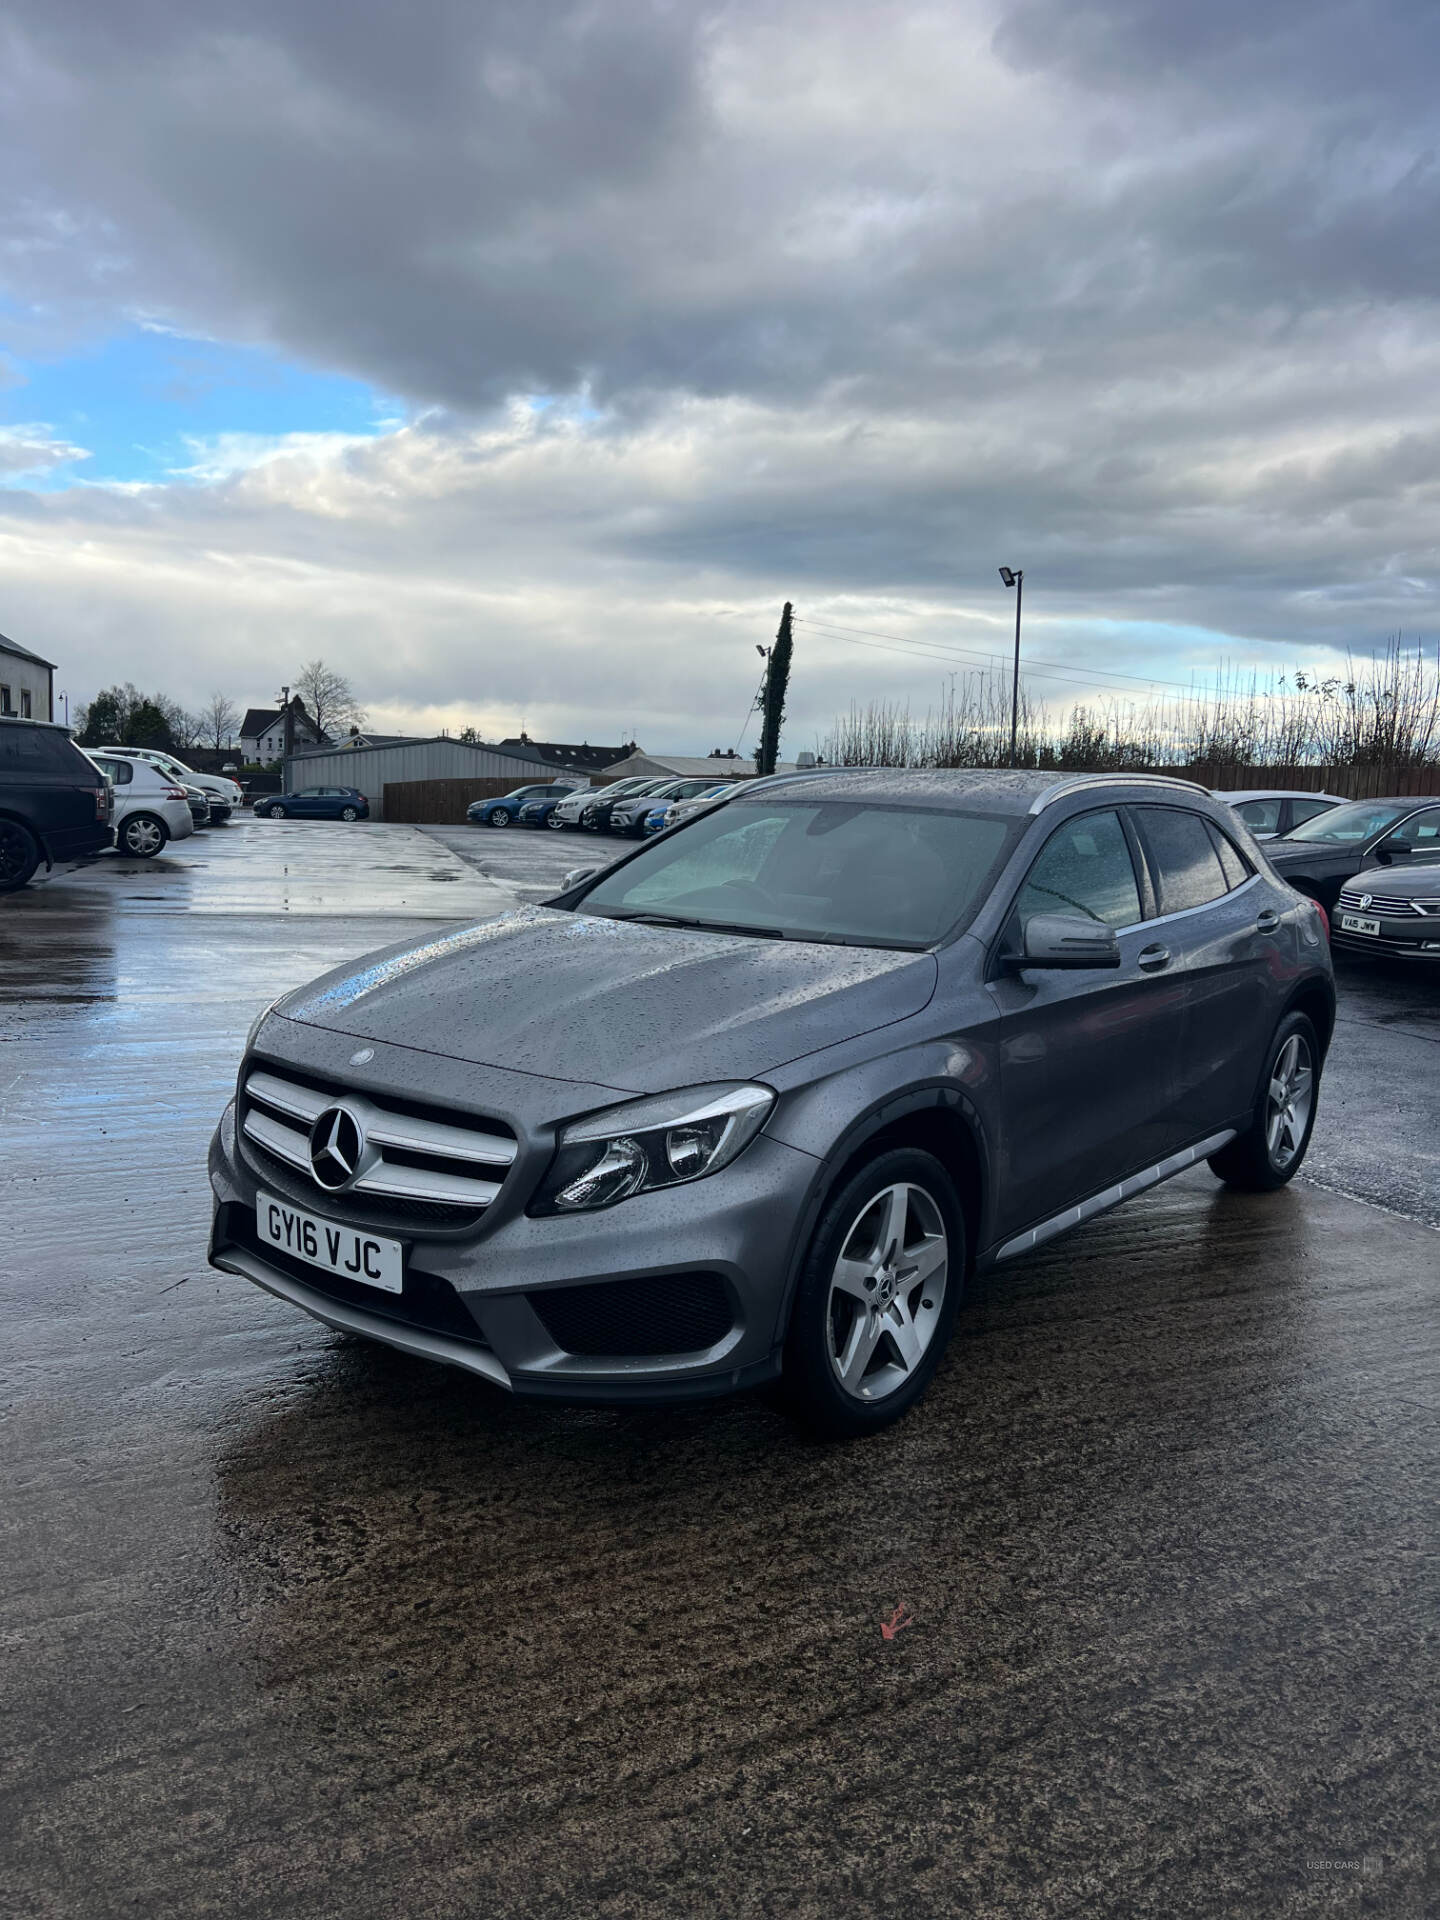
{"x": 1316, "y": 1000}
{"x": 936, "y": 1119}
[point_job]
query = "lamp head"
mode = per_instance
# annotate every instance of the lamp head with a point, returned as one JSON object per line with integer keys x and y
{"x": 1008, "y": 576}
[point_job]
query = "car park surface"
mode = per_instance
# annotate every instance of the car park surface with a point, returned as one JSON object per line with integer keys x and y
{"x": 298, "y": 1625}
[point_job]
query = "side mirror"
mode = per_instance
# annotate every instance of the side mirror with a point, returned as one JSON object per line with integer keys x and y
{"x": 1066, "y": 940}
{"x": 575, "y": 876}
{"x": 1389, "y": 847}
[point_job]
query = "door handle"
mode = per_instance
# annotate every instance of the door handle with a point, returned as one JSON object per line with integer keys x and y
{"x": 1152, "y": 959}
{"x": 1268, "y": 922}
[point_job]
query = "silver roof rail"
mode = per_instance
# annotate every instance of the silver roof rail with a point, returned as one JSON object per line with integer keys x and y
{"x": 1077, "y": 782}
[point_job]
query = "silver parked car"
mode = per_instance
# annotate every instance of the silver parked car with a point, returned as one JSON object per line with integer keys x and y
{"x": 758, "y": 1098}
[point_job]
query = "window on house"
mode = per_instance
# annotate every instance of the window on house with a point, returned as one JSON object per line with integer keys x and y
{"x": 25, "y": 712}
{"x": 5, "y": 706}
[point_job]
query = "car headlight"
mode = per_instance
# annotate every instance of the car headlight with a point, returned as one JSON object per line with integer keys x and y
{"x": 644, "y": 1144}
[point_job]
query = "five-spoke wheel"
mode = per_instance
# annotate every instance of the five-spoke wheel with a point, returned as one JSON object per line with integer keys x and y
{"x": 877, "y": 1295}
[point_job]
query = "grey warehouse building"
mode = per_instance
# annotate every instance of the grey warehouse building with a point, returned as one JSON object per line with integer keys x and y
{"x": 370, "y": 769}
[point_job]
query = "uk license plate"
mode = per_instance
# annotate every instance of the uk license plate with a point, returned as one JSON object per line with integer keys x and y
{"x": 1356, "y": 923}
{"x": 344, "y": 1251}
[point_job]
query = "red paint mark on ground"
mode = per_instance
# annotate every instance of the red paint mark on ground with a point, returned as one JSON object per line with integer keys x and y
{"x": 901, "y": 1617}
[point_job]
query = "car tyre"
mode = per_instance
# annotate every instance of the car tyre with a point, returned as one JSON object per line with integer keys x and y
{"x": 19, "y": 856}
{"x": 552, "y": 822}
{"x": 501, "y": 817}
{"x": 276, "y": 813}
{"x": 877, "y": 1296}
{"x": 1268, "y": 1153}
{"x": 144, "y": 835}
{"x": 349, "y": 813}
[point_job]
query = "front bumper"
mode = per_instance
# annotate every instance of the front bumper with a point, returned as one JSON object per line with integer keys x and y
{"x": 1412, "y": 938}
{"x": 503, "y": 1302}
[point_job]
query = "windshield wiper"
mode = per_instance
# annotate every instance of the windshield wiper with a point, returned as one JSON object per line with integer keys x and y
{"x": 700, "y": 926}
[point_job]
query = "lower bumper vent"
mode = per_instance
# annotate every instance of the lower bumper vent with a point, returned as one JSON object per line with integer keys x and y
{"x": 669, "y": 1313}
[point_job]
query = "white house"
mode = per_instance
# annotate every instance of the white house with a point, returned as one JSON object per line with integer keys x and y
{"x": 262, "y": 731}
{"x": 27, "y": 683}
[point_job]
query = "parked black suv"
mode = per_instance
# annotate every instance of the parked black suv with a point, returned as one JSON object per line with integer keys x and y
{"x": 54, "y": 804}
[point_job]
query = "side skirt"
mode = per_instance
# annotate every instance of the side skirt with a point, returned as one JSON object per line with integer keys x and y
{"x": 1113, "y": 1196}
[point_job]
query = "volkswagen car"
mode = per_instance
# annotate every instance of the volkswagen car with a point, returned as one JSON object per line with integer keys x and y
{"x": 757, "y": 1100}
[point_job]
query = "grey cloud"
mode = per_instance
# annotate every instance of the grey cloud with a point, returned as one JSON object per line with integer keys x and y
{"x": 863, "y": 298}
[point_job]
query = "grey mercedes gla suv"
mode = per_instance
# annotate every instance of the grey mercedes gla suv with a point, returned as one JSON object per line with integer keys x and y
{"x": 757, "y": 1099}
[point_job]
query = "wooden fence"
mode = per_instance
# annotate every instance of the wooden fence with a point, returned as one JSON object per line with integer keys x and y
{"x": 1351, "y": 783}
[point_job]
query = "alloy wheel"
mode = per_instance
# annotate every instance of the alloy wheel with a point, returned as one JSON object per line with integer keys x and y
{"x": 886, "y": 1291}
{"x": 348, "y": 813}
{"x": 500, "y": 818}
{"x": 1290, "y": 1097}
{"x": 143, "y": 838}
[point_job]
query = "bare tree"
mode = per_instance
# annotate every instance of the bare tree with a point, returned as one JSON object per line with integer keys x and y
{"x": 327, "y": 697}
{"x": 217, "y": 720}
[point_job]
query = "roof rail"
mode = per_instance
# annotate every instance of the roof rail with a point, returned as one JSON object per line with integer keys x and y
{"x": 1076, "y": 782}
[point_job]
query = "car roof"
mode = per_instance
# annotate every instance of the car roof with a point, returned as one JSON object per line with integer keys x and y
{"x": 992, "y": 789}
{"x": 1273, "y": 793}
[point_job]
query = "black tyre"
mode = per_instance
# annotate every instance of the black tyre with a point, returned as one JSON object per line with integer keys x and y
{"x": 143, "y": 835}
{"x": 1269, "y": 1152}
{"x": 19, "y": 855}
{"x": 877, "y": 1296}
{"x": 501, "y": 817}
{"x": 554, "y": 823}
{"x": 349, "y": 813}
{"x": 276, "y": 813}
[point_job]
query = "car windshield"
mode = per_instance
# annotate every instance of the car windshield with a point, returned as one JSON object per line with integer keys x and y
{"x": 1352, "y": 825}
{"x": 861, "y": 874}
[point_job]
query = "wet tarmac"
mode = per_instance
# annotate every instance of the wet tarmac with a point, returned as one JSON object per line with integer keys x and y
{"x": 292, "y": 1625}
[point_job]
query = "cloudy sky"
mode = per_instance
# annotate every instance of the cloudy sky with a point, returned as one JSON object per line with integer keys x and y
{"x": 521, "y": 360}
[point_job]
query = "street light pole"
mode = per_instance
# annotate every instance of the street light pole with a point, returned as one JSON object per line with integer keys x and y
{"x": 1015, "y": 577}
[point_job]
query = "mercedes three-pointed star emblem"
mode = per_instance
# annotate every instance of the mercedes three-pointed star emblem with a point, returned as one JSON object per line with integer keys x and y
{"x": 336, "y": 1146}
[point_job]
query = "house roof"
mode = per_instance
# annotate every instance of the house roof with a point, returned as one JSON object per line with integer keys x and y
{"x": 259, "y": 720}
{"x": 560, "y": 753}
{"x": 24, "y": 653}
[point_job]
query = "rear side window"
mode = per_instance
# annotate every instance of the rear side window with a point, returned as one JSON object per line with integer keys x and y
{"x": 1262, "y": 816}
{"x": 1236, "y": 869}
{"x": 1422, "y": 834}
{"x": 1084, "y": 867}
{"x": 119, "y": 771}
{"x": 1301, "y": 810}
{"x": 1187, "y": 868}
{"x": 32, "y": 750}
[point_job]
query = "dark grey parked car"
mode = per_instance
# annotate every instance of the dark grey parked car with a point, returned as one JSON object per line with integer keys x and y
{"x": 760, "y": 1096}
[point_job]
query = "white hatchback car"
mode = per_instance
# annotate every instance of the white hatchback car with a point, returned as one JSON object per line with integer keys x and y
{"x": 1271, "y": 812}
{"x": 150, "y": 809}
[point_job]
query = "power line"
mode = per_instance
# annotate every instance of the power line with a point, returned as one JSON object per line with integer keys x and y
{"x": 946, "y": 650}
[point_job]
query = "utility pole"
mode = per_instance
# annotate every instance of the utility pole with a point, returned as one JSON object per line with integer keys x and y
{"x": 1015, "y": 577}
{"x": 777, "y": 681}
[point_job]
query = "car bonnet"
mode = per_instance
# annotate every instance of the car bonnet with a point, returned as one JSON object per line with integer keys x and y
{"x": 573, "y": 996}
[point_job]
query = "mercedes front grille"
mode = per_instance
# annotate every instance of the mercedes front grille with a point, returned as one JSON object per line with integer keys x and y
{"x": 390, "y": 1162}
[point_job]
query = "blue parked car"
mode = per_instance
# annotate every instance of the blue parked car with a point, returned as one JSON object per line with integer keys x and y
{"x": 505, "y": 810}
{"x": 314, "y": 803}
{"x": 536, "y": 813}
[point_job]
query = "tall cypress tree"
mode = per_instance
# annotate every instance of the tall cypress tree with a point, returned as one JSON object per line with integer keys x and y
{"x": 777, "y": 680}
